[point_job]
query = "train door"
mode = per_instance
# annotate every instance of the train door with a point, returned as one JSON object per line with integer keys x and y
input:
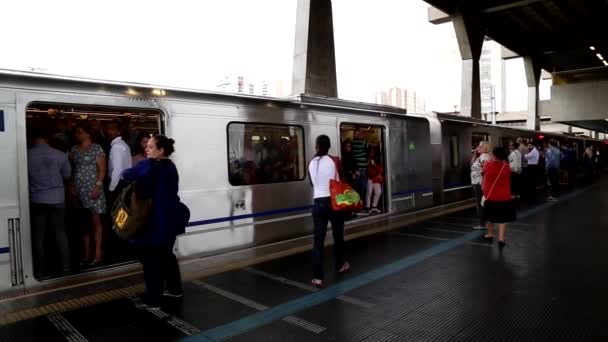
{"x": 364, "y": 163}
{"x": 81, "y": 238}
{"x": 11, "y": 262}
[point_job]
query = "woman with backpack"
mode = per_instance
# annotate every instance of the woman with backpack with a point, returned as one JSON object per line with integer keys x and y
{"x": 157, "y": 178}
{"x": 322, "y": 169}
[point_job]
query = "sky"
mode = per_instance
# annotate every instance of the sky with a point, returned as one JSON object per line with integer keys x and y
{"x": 195, "y": 44}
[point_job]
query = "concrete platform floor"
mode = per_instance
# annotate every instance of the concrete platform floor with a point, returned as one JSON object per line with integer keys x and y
{"x": 430, "y": 281}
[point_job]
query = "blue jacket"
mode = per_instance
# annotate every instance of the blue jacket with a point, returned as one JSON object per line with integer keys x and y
{"x": 157, "y": 179}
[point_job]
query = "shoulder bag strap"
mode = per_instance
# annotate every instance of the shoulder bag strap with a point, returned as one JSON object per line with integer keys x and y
{"x": 496, "y": 180}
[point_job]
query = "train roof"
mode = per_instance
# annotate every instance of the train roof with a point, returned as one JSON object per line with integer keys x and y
{"x": 144, "y": 91}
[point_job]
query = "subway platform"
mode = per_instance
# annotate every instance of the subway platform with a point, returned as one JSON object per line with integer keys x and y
{"x": 430, "y": 281}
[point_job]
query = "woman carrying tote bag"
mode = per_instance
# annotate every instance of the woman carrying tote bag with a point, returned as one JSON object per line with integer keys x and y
{"x": 323, "y": 169}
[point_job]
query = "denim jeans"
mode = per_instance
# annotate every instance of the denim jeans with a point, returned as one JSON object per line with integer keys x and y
{"x": 361, "y": 184}
{"x": 322, "y": 214}
{"x": 49, "y": 219}
{"x": 553, "y": 175}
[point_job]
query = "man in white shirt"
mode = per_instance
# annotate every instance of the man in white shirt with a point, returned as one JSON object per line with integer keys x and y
{"x": 531, "y": 176}
{"x": 515, "y": 161}
{"x": 120, "y": 156}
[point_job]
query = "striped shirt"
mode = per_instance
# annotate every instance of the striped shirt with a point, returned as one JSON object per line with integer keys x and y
{"x": 360, "y": 150}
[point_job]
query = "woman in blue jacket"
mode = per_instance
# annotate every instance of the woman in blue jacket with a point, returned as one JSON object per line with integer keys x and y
{"x": 157, "y": 178}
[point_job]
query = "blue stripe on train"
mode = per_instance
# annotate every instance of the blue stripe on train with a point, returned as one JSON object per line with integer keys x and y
{"x": 284, "y": 211}
{"x": 5, "y": 250}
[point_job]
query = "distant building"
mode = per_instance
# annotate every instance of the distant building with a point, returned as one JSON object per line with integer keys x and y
{"x": 401, "y": 98}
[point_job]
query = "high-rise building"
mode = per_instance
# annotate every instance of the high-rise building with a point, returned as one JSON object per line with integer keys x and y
{"x": 402, "y": 98}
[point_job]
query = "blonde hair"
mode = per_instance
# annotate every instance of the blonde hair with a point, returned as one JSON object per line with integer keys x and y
{"x": 486, "y": 144}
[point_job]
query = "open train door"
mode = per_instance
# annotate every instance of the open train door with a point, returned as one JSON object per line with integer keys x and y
{"x": 11, "y": 261}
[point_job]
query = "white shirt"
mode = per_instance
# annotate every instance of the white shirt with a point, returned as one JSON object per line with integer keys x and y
{"x": 515, "y": 161}
{"x": 120, "y": 160}
{"x": 532, "y": 157}
{"x": 321, "y": 170}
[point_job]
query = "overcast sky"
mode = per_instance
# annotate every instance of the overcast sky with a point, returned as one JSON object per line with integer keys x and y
{"x": 379, "y": 44}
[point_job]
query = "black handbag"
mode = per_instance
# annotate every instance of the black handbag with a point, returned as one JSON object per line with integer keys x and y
{"x": 130, "y": 213}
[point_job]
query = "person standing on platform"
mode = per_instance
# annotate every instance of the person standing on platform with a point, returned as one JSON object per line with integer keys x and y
{"x": 515, "y": 159}
{"x": 553, "y": 157}
{"x": 480, "y": 157}
{"x": 322, "y": 169}
{"x": 48, "y": 170}
{"x": 157, "y": 178}
{"x": 499, "y": 207}
{"x": 531, "y": 176}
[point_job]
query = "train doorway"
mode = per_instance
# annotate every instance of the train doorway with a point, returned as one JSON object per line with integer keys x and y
{"x": 364, "y": 165}
{"x": 70, "y": 204}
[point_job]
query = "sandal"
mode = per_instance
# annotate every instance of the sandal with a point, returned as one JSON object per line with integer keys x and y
{"x": 345, "y": 267}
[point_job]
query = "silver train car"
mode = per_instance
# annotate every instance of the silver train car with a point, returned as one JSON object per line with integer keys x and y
{"x": 242, "y": 160}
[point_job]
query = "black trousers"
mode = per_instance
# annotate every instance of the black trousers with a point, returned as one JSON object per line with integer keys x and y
{"x": 161, "y": 272}
{"x": 322, "y": 214}
{"x": 553, "y": 175}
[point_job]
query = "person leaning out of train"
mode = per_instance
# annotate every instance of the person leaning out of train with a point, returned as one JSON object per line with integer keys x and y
{"x": 323, "y": 168}
{"x": 498, "y": 207}
{"x": 375, "y": 179}
{"x": 478, "y": 160}
{"x": 48, "y": 170}
{"x": 157, "y": 178}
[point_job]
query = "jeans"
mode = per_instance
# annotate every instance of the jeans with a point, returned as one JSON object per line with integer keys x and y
{"x": 478, "y": 194}
{"x": 553, "y": 175}
{"x": 361, "y": 183}
{"x": 321, "y": 214}
{"x": 161, "y": 271}
{"x": 49, "y": 218}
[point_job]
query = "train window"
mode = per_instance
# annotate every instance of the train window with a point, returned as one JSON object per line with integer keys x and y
{"x": 265, "y": 153}
{"x": 454, "y": 151}
{"x": 478, "y": 137}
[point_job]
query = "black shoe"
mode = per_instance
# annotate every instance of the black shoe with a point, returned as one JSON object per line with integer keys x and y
{"x": 488, "y": 239}
{"x": 501, "y": 244}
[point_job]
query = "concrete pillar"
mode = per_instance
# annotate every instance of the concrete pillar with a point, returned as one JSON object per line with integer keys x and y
{"x": 533, "y": 69}
{"x": 314, "y": 61}
{"x": 470, "y": 35}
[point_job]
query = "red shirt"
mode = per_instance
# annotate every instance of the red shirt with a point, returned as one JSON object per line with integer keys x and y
{"x": 502, "y": 189}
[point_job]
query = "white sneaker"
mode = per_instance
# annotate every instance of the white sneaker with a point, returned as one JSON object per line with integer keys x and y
{"x": 363, "y": 213}
{"x": 173, "y": 295}
{"x": 375, "y": 210}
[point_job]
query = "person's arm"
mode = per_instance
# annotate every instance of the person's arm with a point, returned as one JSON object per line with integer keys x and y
{"x": 66, "y": 169}
{"x": 101, "y": 175}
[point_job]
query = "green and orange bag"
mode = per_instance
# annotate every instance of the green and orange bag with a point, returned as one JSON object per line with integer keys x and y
{"x": 343, "y": 197}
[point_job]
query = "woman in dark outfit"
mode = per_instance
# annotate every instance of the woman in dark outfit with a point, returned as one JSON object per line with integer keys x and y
{"x": 157, "y": 178}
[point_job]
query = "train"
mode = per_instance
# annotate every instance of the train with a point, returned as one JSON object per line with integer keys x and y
{"x": 242, "y": 161}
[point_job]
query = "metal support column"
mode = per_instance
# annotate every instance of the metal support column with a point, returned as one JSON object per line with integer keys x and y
{"x": 314, "y": 62}
{"x": 533, "y": 70}
{"x": 470, "y": 35}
